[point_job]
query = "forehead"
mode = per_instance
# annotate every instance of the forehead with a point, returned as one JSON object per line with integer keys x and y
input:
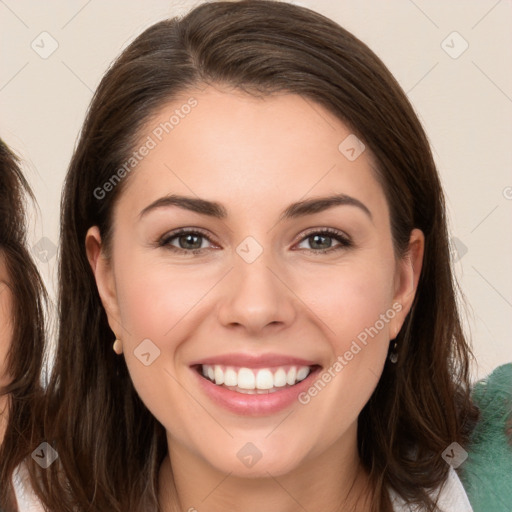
{"x": 233, "y": 147}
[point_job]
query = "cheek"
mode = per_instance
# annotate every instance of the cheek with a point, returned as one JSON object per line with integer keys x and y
{"x": 152, "y": 307}
{"x": 355, "y": 306}
{"x": 158, "y": 302}
{"x": 350, "y": 300}
{"x": 154, "y": 297}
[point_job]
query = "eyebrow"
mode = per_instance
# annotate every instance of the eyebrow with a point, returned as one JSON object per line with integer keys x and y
{"x": 218, "y": 211}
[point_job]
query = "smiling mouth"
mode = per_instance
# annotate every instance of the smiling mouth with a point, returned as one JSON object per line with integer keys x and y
{"x": 255, "y": 381}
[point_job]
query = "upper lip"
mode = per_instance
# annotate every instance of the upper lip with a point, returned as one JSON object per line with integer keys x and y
{"x": 254, "y": 361}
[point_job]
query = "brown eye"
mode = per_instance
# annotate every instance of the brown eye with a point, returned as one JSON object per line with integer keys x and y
{"x": 322, "y": 241}
{"x": 185, "y": 241}
{"x": 190, "y": 241}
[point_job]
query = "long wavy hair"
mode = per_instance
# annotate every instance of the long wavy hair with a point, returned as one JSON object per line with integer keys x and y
{"x": 110, "y": 446}
{"x": 26, "y": 351}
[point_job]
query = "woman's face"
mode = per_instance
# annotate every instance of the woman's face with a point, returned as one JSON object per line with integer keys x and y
{"x": 248, "y": 297}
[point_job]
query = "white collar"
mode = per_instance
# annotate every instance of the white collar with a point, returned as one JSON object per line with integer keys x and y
{"x": 451, "y": 496}
{"x": 25, "y": 498}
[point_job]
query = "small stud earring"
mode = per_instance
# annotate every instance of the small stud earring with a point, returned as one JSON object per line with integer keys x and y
{"x": 393, "y": 355}
{"x": 118, "y": 346}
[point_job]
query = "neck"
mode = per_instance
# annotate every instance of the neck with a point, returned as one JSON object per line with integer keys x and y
{"x": 328, "y": 482}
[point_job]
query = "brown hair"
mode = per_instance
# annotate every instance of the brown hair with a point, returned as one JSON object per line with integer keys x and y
{"x": 95, "y": 417}
{"x": 25, "y": 355}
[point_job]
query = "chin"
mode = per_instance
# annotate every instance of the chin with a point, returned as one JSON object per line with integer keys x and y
{"x": 252, "y": 460}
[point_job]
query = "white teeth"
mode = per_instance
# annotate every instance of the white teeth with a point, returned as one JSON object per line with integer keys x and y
{"x": 263, "y": 380}
{"x": 230, "y": 377}
{"x": 290, "y": 376}
{"x": 302, "y": 373}
{"x": 280, "y": 378}
{"x": 219, "y": 375}
{"x": 246, "y": 379}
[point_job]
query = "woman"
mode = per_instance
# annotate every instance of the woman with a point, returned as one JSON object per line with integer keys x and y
{"x": 257, "y": 310}
{"x": 22, "y": 299}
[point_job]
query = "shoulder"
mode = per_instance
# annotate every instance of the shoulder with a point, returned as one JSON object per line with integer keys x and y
{"x": 25, "y": 497}
{"x": 450, "y": 497}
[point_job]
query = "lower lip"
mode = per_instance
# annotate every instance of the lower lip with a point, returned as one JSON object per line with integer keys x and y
{"x": 255, "y": 405}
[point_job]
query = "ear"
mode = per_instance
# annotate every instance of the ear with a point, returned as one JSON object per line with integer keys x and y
{"x": 104, "y": 277}
{"x": 406, "y": 281}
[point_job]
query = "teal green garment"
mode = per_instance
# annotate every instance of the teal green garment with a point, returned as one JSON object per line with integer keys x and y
{"x": 487, "y": 472}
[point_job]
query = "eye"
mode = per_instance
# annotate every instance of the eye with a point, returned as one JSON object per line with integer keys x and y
{"x": 192, "y": 241}
{"x": 185, "y": 241}
{"x": 320, "y": 241}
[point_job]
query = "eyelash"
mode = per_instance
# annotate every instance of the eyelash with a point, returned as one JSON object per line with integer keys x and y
{"x": 345, "y": 242}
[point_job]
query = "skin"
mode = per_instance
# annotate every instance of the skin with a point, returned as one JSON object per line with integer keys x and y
{"x": 5, "y": 340}
{"x": 255, "y": 156}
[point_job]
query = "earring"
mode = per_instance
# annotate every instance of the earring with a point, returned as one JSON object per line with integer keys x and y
{"x": 393, "y": 355}
{"x": 118, "y": 346}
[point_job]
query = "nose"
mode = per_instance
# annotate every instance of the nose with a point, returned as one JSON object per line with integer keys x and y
{"x": 256, "y": 298}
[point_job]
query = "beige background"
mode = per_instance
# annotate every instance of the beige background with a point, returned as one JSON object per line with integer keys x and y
{"x": 465, "y": 104}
